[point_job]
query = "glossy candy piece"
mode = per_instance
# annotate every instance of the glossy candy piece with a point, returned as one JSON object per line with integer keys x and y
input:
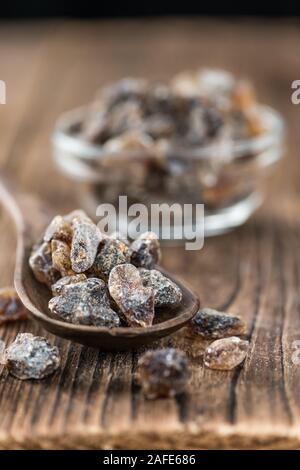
{"x": 59, "y": 229}
{"x": 41, "y": 264}
{"x": 61, "y": 260}
{"x": 134, "y": 300}
{"x": 226, "y": 353}
{"x": 85, "y": 242}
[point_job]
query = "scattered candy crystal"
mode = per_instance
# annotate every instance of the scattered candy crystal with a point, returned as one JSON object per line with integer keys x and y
{"x": 226, "y": 353}
{"x": 31, "y": 357}
{"x": 163, "y": 373}
{"x": 11, "y": 307}
{"x": 212, "y": 324}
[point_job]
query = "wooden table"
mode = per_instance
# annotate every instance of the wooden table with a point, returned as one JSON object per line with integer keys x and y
{"x": 93, "y": 402}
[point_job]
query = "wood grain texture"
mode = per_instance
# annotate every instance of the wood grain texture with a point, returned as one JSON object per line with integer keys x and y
{"x": 94, "y": 401}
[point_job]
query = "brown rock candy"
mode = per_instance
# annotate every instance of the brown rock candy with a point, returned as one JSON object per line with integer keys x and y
{"x": 166, "y": 292}
{"x": 11, "y": 307}
{"x": 158, "y": 126}
{"x": 212, "y": 324}
{"x": 58, "y": 287}
{"x": 77, "y": 215}
{"x": 61, "y": 257}
{"x": 85, "y": 242}
{"x": 134, "y": 300}
{"x": 145, "y": 251}
{"x": 163, "y": 373}
{"x": 127, "y": 116}
{"x": 119, "y": 236}
{"x": 31, "y": 357}
{"x": 59, "y": 229}
{"x": 41, "y": 264}
{"x": 111, "y": 253}
{"x": 226, "y": 353}
{"x": 127, "y": 141}
{"x": 127, "y": 89}
{"x": 85, "y": 303}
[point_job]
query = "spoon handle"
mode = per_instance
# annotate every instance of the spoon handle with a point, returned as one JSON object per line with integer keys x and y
{"x": 28, "y": 212}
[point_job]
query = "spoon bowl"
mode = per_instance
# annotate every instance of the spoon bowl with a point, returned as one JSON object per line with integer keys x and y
{"x": 31, "y": 217}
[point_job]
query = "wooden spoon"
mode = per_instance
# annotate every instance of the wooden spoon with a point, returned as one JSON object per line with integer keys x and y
{"x": 31, "y": 217}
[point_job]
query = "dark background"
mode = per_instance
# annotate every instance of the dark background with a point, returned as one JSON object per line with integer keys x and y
{"x": 111, "y": 8}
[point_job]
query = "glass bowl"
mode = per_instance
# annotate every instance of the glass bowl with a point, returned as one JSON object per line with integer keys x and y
{"x": 229, "y": 179}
